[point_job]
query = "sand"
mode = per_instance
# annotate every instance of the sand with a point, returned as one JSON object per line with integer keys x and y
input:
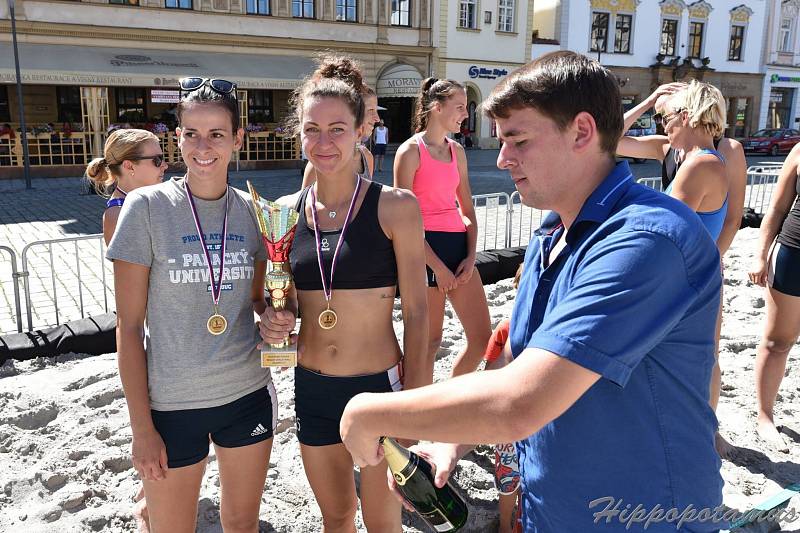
{"x": 65, "y": 438}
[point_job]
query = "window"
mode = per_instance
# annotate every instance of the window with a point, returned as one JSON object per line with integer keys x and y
{"x": 599, "y": 32}
{"x": 505, "y": 15}
{"x": 131, "y": 105}
{"x": 468, "y": 14}
{"x": 259, "y": 106}
{"x": 346, "y": 10}
{"x": 69, "y": 104}
{"x": 179, "y": 4}
{"x": 622, "y": 36}
{"x": 124, "y": 2}
{"x": 258, "y": 7}
{"x": 400, "y": 13}
{"x": 5, "y": 114}
{"x": 669, "y": 37}
{"x": 303, "y": 9}
{"x": 695, "y": 39}
{"x": 735, "y": 46}
{"x": 786, "y": 35}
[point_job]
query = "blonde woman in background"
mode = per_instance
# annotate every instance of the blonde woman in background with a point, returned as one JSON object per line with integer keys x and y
{"x": 131, "y": 159}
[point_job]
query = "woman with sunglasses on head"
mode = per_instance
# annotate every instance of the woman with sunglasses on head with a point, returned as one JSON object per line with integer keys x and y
{"x": 777, "y": 268}
{"x": 189, "y": 270}
{"x": 131, "y": 159}
{"x": 356, "y": 241}
{"x": 345, "y": 69}
{"x": 434, "y": 167}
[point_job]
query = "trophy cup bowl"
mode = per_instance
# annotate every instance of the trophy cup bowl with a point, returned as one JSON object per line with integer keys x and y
{"x": 277, "y": 224}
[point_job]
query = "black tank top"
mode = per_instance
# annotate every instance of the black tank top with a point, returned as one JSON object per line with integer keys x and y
{"x": 366, "y": 259}
{"x": 790, "y": 232}
{"x": 669, "y": 165}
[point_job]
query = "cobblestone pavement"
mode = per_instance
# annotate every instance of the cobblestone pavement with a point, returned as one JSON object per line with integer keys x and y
{"x": 61, "y": 208}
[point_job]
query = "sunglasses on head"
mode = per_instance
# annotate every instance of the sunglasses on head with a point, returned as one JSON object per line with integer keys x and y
{"x": 157, "y": 160}
{"x": 663, "y": 118}
{"x": 217, "y": 85}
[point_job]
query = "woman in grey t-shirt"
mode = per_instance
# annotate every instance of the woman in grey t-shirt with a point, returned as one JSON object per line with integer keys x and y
{"x": 188, "y": 256}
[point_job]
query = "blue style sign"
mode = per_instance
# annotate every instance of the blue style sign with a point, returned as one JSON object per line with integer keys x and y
{"x": 486, "y": 73}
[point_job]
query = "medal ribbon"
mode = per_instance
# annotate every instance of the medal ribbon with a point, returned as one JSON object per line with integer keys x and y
{"x": 328, "y": 289}
{"x": 216, "y": 288}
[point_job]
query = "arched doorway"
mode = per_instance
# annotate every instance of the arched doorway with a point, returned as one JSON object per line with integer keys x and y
{"x": 397, "y": 89}
{"x": 473, "y": 116}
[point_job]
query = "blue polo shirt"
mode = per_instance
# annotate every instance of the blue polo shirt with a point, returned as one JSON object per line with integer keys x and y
{"x": 644, "y": 433}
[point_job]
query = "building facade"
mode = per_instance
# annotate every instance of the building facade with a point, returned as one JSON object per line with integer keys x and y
{"x": 478, "y": 43}
{"x": 90, "y": 65}
{"x": 648, "y": 42}
{"x": 780, "y": 104}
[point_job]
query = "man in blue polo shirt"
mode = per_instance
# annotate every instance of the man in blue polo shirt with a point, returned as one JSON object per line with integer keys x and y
{"x": 607, "y": 394}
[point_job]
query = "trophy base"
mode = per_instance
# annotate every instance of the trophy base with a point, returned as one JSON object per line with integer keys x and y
{"x": 285, "y": 357}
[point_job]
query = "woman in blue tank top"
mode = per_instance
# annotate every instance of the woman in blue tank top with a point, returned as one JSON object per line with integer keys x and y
{"x": 777, "y": 268}
{"x": 692, "y": 118}
{"x": 131, "y": 159}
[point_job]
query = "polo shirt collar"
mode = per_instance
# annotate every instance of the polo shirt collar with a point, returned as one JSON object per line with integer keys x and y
{"x": 598, "y": 206}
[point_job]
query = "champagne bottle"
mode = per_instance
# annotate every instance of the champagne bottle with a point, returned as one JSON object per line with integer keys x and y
{"x": 443, "y": 509}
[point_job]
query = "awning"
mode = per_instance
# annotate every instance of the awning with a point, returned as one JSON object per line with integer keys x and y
{"x": 50, "y": 64}
{"x": 399, "y": 80}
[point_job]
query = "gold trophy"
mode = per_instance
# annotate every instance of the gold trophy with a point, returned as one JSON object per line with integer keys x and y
{"x": 277, "y": 224}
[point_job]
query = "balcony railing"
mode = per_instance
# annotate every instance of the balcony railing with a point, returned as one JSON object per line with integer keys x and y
{"x": 71, "y": 149}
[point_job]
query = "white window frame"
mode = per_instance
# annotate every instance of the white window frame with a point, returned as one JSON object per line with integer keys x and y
{"x": 630, "y": 34}
{"x": 677, "y": 44}
{"x": 744, "y": 39}
{"x": 592, "y": 43}
{"x": 702, "y": 52}
{"x": 506, "y": 16}
{"x": 463, "y": 8}
{"x": 396, "y": 17}
{"x": 785, "y": 36}
{"x": 344, "y": 10}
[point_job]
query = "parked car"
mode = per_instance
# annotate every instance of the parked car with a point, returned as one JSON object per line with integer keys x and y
{"x": 644, "y": 125}
{"x": 771, "y": 141}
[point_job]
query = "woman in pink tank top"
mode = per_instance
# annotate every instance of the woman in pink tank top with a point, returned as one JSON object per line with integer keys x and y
{"x": 434, "y": 167}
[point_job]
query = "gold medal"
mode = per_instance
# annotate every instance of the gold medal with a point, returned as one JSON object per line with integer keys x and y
{"x": 327, "y": 319}
{"x": 217, "y": 324}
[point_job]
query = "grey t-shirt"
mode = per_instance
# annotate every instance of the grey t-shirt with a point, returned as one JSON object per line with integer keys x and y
{"x": 187, "y": 367}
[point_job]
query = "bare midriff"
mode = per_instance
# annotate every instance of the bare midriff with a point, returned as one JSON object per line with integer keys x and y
{"x": 363, "y": 340}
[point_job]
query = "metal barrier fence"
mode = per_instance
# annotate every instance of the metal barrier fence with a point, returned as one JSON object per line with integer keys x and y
{"x": 492, "y": 214}
{"x": 69, "y": 278}
{"x": 527, "y": 220}
{"x": 761, "y": 182}
{"x": 64, "y": 266}
{"x": 15, "y": 288}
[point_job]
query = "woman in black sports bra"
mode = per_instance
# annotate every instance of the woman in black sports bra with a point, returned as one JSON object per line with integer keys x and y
{"x": 777, "y": 268}
{"x": 355, "y": 242}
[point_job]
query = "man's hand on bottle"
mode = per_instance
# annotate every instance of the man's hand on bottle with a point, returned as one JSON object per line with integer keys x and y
{"x": 443, "y": 458}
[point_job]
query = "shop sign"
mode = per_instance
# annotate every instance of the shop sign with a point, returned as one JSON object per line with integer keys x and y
{"x": 486, "y": 73}
{"x": 776, "y": 78}
{"x": 129, "y": 60}
{"x": 163, "y": 96}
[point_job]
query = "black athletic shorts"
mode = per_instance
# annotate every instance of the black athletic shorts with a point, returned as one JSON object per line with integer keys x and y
{"x": 450, "y": 247}
{"x": 784, "y": 270}
{"x": 320, "y": 400}
{"x": 378, "y": 149}
{"x": 243, "y": 422}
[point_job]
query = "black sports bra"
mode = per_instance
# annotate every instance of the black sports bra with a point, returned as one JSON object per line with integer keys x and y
{"x": 366, "y": 259}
